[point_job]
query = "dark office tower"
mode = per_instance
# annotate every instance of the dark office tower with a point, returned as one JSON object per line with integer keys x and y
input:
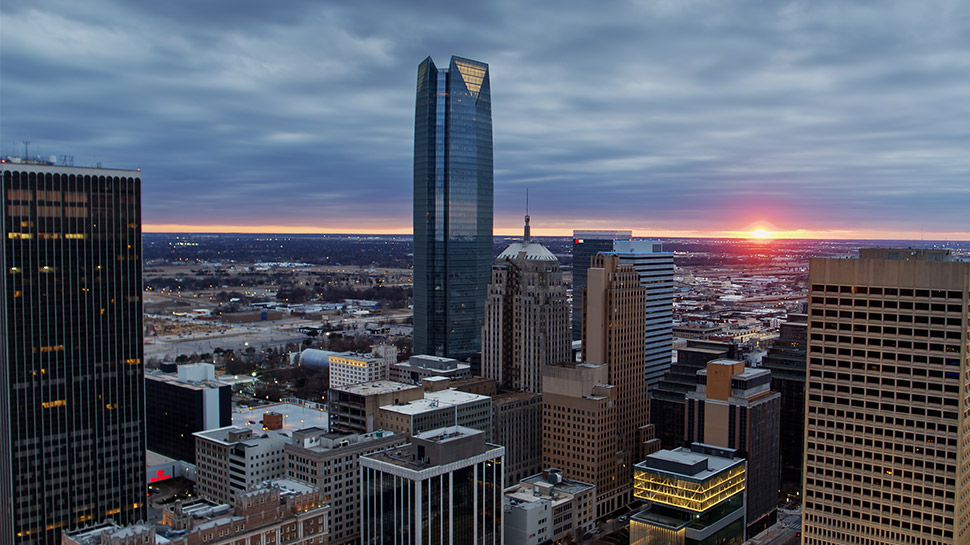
{"x": 786, "y": 361}
{"x": 886, "y": 415}
{"x": 667, "y": 400}
{"x": 734, "y": 408}
{"x": 452, "y": 207}
{"x": 72, "y": 395}
{"x": 586, "y": 244}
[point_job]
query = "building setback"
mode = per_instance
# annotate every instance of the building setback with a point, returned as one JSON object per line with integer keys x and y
{"x": 586, "y": 244}
{"x": 887, "y": 381}
{"x": 613, "y": 328}
{"x": 445, "y": 487}
{"x": 72, "y": 394}
{"x": 453, "y": 202}
{"x": 734, "y": 407}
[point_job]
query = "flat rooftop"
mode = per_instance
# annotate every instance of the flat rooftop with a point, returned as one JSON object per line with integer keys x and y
{"x": 295, "y": 417}
{"x": 435, "y": 400}
{"x": 686, "y": 464}
{"x": 376, "y": 387}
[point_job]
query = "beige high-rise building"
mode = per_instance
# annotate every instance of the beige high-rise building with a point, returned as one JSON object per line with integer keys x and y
{"x": 526, "y": 316}
{"x": 613, "y": 325}
{"x": 596, "y": 414}
{"x": 887, "y": 439}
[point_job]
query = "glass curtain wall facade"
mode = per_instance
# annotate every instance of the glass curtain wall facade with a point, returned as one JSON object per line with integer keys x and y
{"x": 72, "y": 397}
{"x": 453, "y": 200}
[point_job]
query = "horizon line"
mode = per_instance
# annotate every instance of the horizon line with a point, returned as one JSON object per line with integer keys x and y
{"x": 801, "y": 234}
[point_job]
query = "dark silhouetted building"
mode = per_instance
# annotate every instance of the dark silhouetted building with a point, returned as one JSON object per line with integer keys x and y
{"x": 72, "y": 394}
{"x": 786, "y": 361}
{"x": 452, "y": 206}
{"x": 181, "y": 403}
{"x": 734, "y": 407}
{"x": 667, "y": 400}
{"x": 586, "y": 244}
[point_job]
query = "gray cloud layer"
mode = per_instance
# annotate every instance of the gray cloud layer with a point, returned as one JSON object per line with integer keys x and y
{"x": 680, "y": 115}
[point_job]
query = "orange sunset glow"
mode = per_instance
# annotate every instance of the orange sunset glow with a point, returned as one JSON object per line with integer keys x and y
{"x": 559, "y": 229}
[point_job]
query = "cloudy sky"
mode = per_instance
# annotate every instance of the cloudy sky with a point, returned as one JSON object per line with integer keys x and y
{"x": 670, "y": 117}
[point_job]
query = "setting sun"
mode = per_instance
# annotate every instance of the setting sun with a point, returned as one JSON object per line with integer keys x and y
{"x": 761, "y": 234}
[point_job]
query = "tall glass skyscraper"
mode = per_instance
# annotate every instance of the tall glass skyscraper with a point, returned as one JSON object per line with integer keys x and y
{"x": 452, "y": 206}
{"x": 72, "y": 387}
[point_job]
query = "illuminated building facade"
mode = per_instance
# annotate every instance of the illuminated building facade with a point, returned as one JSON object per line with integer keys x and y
{"x": 886, "y": 430}
{"x": 72, "y": 394}
{"x": 586, "y": 244}
{"x": 445, "y": 487}
{"x": 452, "y": 206}
{"x": 694, "y": 497}
{"x": 350, "y": 368}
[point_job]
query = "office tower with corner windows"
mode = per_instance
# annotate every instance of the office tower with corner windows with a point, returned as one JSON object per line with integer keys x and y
{"x": 886, "y": 423}
{"x": 586, "y": 244}
{"x": 452, "y": 206}
{"x": 72, "y": 394}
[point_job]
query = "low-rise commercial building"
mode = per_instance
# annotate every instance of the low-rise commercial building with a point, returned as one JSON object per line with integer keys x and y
{"x": 231, "y": 460}
{"x": 420, "y": 367}
{"x": 438, "y": 409}
{"x": 547, "y": 508}
{"x": 280, "y": 511}
{"x": 352, "y": 368}
{"x": 354, "y": 408}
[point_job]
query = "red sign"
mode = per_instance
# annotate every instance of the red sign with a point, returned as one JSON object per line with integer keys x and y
{"x": 159, "y": 476}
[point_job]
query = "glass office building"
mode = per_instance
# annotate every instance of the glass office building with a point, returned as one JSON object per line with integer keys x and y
{"x": 452, "y": 207}
{"x": 444, "y": 488}
{"x": 72, "y": 394}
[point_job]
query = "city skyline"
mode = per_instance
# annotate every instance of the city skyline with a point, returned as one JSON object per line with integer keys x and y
{"x": 688, "y": 119}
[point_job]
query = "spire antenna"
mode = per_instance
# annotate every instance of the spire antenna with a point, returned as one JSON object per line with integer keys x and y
{"x": 526, "y": 235}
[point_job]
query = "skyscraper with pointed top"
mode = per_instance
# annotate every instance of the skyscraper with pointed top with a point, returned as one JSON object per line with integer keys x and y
{"x": 453, "y": 183}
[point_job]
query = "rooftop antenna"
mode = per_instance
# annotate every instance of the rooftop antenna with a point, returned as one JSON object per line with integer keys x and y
{"x": 526, "y": 236}
{"x": 26, "y": 148}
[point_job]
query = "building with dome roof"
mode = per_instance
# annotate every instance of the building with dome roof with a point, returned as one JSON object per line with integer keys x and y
{"x": 526, "y": 316}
